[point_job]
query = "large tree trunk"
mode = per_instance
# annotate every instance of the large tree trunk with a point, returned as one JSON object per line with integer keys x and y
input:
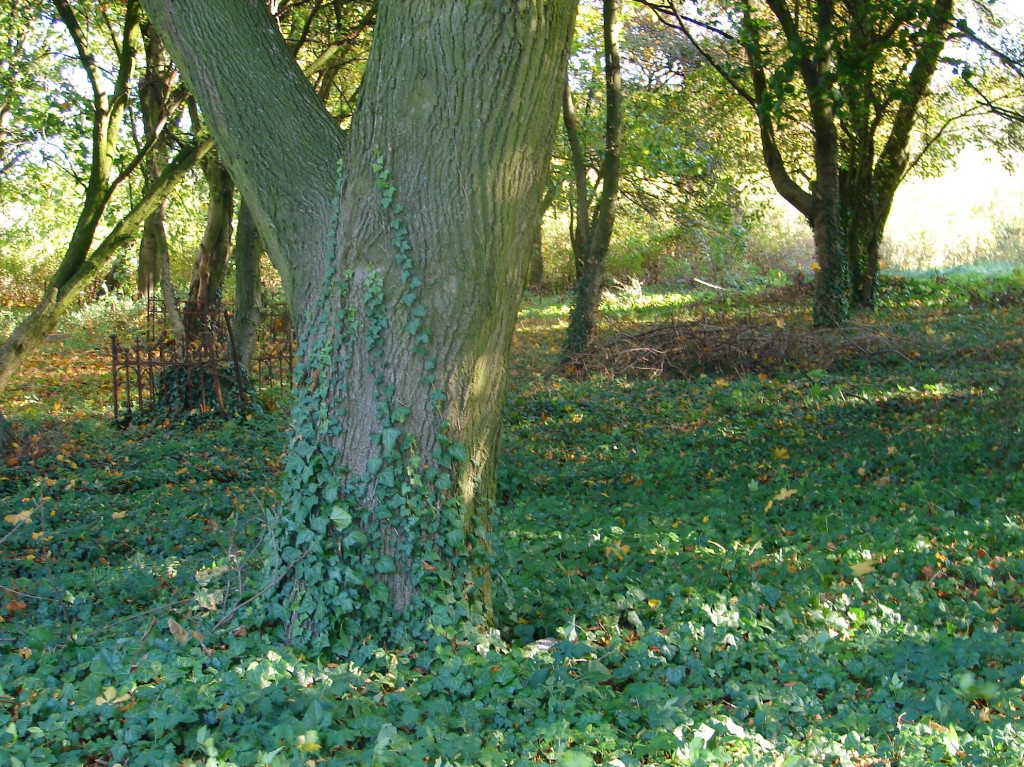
{"x": 593, "y": 250}
{"x": 404, "y": 289}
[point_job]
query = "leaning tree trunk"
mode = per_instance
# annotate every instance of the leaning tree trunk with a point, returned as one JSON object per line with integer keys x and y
{"x": 83, "y": 263}
{"x": 404, "y": 288}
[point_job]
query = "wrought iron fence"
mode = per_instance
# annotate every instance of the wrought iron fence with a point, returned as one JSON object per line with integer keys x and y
{"x": 153, "y": 375}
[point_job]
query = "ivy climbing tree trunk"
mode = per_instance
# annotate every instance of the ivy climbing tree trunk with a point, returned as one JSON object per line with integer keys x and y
{"x": 404, "y": 275}
{"x": 594, "y": 228}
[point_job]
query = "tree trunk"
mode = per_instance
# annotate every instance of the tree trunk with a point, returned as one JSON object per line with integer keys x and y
{"x": 579, "y": 212}
{"x": 832, "y": 280}
{"x": 247, "y": 317}
{"x": 821, "y": 205}
{"x": 154, "y": 93}
{"x": 870, "y": 184}
{"x": 404, "y": 290}
{"x": 6, "y": 435}
{"x": 210, "y": 263}
{"x": 154, "y": 237}
{"x": 535, "y": 271}
{"x": 594, "y": 249}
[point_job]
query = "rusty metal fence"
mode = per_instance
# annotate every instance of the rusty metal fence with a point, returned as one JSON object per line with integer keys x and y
{"x": 152, "y": 375}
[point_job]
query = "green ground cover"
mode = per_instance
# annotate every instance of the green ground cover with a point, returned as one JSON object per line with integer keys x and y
{"x": 799, "y": 565}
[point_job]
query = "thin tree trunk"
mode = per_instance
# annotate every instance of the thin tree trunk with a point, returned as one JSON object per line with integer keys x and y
{"x": 211, "y": 259}
{"x": 169, "y": 300}
{"x": 579, "y": 218}
{"x": 6, "y": 435}
{"x": 594, "y": 250}
{"x": 404, "y": 289}
{"x": 247, "y": 253}
{"x": 154, "y": 93}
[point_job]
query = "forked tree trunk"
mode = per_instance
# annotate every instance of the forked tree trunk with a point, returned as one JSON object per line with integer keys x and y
{"x": 404, "y": 282}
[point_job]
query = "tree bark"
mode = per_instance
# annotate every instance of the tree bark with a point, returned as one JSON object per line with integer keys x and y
{"x": 154, "y": 94}
{"x": 404, "y": 282}
{"x": 821, "y": 205}
{"x": 594, "y": 248}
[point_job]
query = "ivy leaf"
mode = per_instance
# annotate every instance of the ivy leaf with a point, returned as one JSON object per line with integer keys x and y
{"x": 388, "y": 438}
{"x": 340, "y": 517}
{"x": 384, "y": 735}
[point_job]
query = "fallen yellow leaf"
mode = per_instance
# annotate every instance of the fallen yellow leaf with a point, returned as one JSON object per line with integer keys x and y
{"x": 22, "y": 517}
{"x": 783, "y": 494}
{"x": 863, "y": 568}
{"x": 177, "y": 631}
{"x": 119, "y": 515}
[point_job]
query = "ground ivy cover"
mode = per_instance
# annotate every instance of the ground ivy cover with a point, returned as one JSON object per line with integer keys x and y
{"x": 804, "y": 565}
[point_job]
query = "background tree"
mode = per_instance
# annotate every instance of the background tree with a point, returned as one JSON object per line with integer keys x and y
{"x": 404, "y": 282}
{"x": 851, "y": 77}
{"x": 83, "y": 260}
{"x": 594, "y": 217}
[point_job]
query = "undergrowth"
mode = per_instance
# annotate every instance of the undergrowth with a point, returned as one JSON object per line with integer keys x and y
{"x": 812, "y": 565}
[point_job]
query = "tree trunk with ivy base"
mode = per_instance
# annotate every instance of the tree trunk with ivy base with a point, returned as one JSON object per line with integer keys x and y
{"x": 404, "y": 273}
